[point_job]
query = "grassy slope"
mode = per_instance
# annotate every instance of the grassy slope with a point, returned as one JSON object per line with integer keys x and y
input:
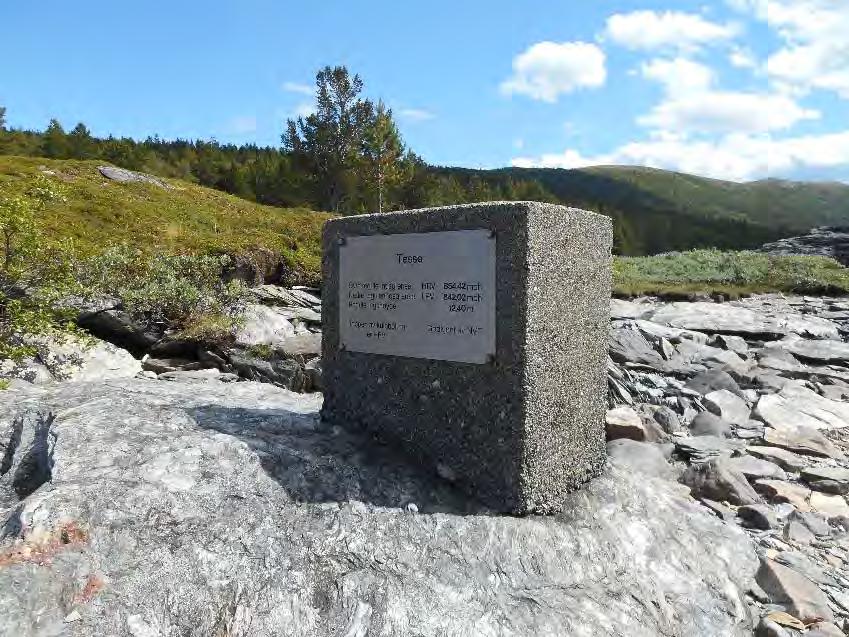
{"x": 187, "y": 218}
{"x": 190, "y": 218}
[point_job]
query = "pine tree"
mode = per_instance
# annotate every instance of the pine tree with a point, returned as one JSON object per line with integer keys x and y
{"x": 80, "y": 143}
{"x": 382, "y": 153}
{"x": 55, "y": 141}
{"x": 326, "y": 144}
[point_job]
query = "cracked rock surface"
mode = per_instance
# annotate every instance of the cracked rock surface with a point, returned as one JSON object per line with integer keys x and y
{"x": 177, "y": 508}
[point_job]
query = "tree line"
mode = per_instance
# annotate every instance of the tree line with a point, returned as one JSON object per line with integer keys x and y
{"x": 347, "y": 157}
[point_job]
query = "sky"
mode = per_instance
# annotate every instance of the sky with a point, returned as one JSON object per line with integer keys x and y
{"x": 732, "y": 89}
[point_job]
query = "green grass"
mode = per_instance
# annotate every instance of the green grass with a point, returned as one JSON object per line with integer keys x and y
{"x": 194, "y": 219}
{"x": 728, "y": 273}
{"x": 185, "y": 219}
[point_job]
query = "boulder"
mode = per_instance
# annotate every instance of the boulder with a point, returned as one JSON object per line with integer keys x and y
{"x": 628, "y": 345}
{"x": 178, "y": 508}
{"x": 732, "y": 343}
{"x": 824, "y": 629}
{"x": 770, "y": 628}
{"x": 119, "y": 328}
{"x": 755, "y": 468}
{"x": 305, "y": 346}
{"x": 783, "y": 458}
{"x": 655, "y": 331}
{"x": 736, "y": 320}
{"x": 821, "y": 351}
{"x": 828, "y": 479}
{"x": 667, "y": 419}
{"x": 622, "y": 309}
{"x": 198, "y": 376}
{"x": 26, "y": 370}
{"x": 640, "y": 457}
{"x": 728, "y": 406}
{"x": 707, "y": 424}
{"x": 782, "y": 491}
{"x": 797, "y": 532}
{"x": 263, "y": 325}
{"x": 716, "y": 480}
{"x": 313, "y": 371}
{"x": 699, "y": 449}
{"x": 801, "y": 439}
{"x": 728, "y": 361}
{"x": 81, "y": 361}
{"x": 276, "y": 369}
{"x": 814, "y": 522}
{"x": 122, "y": 175}
{"x": 831, "y": 506}
{"x": 797, "y": 405}
{"x": 162, "y": 365}
{"x": 801, "y": 597}
{"x": 624, "y": 422}
{"x": 72, "y": 359}
{"x": 713, "y": 380}
{"x": 825, "y": 241}
{"x": 758, "y": 516}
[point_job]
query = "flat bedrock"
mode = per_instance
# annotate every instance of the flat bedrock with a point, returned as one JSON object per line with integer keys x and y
{"x": 175, "y": 508}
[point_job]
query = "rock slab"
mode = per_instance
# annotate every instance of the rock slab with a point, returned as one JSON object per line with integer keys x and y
{"x": 236, "y": 504}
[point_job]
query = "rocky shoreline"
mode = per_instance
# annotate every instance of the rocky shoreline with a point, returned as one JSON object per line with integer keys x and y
{"x": 723, "y": 510}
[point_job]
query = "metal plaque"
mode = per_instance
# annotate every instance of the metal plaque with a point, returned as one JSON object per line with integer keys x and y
{"x": 422, "y": 295}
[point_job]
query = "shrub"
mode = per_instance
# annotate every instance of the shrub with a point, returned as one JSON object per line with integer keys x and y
{"x": 34, "y": 271}
{"x": 178, "y": 290}
{"x": 735, "y": 272}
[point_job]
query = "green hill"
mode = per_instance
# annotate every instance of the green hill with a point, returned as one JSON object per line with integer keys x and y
{"x": 184, "y": 218}
{"x": 659, "y": 210}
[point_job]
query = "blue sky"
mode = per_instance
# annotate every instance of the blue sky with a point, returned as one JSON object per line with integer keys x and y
{"x": 737, "y": 89}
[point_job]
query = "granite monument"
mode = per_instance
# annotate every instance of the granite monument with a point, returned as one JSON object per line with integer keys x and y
{"x": 475, "y": 337}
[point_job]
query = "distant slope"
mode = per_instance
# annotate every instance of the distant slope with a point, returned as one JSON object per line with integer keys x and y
{"x": 657, "y": 210}
{"x": 185, "y": 218}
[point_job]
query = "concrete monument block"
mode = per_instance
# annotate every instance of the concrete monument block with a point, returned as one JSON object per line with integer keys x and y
{"x": 475, "y": 338}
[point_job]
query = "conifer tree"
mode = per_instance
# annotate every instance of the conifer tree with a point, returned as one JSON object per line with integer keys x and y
{"x": 326, "y": 144}
{"x": 55, "y": 141}
{"x": 382, "y": 153}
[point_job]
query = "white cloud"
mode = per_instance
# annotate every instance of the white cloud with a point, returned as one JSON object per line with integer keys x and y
{"x": 243, "y": 124}
{"x": 815, "y": 46}
{"x": 742, "y": 59}
{"x": 736, "y": 157}
{"x": 304, "y": 109}
{"x": 547, "y": 70}
{"x": 415, "y": 114}
{"x": 692, "y": 104}
{"x": 726, "y": 112}
{"x": 648, "y": 30}
{"x": 679, "y": 76}
{"x": 295, "y": 87}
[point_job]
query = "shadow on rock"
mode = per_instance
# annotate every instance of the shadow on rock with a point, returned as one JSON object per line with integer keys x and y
{"x": 316, "y": 462}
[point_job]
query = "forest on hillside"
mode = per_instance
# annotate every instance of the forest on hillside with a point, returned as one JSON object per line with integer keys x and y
{"x": 348, "y": 157}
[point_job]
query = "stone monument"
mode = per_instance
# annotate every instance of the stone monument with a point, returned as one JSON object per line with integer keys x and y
{"x": 475, "y": 338}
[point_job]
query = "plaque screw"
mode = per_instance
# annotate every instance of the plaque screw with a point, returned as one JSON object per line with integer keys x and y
{"x": 342, "y": 347}
{"x": 492, "y": 234}
{"x": 341, "y": 241}
{"x": 490, "y": 359}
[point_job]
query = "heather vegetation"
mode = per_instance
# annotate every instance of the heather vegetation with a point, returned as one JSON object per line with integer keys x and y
{"x": 729, "y": 273}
